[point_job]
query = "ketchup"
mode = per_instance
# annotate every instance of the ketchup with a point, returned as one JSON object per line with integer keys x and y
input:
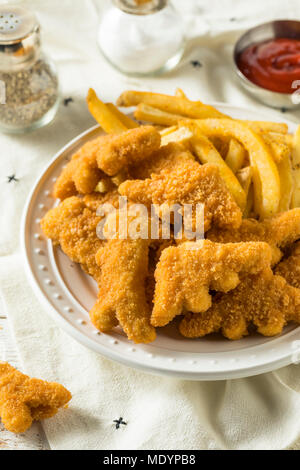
{"x": 273, "y": 64}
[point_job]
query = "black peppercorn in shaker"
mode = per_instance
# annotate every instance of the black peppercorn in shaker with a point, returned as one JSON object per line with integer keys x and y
{"x": 29, "y": 95}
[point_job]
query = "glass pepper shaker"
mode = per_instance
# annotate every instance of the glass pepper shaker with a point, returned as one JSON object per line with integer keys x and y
{"x": 141, "y": 37}
{"x": 29, "y": 95}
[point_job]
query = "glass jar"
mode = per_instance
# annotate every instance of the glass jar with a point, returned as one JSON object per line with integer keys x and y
{"x": 141, "y": 37}
{"x": 29, "y": 95}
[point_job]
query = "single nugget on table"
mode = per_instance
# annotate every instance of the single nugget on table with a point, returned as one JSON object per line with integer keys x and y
{"x": 289, "y": 268}
{"x": 81, "y": 174}
{"x": 188, "y": 183}
{"x": 186, "y": 273}
{"x": 263, "y": 300}
{"x": 73, "y": 226}
{"x": 122, "y": 150}
{"x": 122, "y": 289}
{"x": 23, "y": 400}
{"x": 279, "y": 231}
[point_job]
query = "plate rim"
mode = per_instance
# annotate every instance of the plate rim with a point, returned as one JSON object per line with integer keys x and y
{"x": 109, "y": 353}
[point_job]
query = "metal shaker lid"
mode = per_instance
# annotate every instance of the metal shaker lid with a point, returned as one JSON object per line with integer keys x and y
{"x": 16, "y": 23}
{"x": 19, "y": 36}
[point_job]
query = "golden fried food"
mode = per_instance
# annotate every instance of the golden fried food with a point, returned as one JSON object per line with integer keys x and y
{"x": 279, "y": 231}
{"x": 132, "y": 146}
{"x": 188, "y": 183}
{"x": 186, "y": 273}
{"x": 155, "y": 250}
{"x": 94, "y": 200}
{"x": 24, "y": 400}
{"x": 168, "y": 157}
{"x": 207, "y": 164}
{"x": 107, "y": 119}
{"x": 263, "y": 300}
{"x": 72, "y": 225}
{"x": 169, "y": 104}
{"x": 122, "y": 296}
{"x": 289, "y": 268}
{"x": 207, "y": 153}
{"x": 266, "y": 177}
{"x": 81, "y": 174}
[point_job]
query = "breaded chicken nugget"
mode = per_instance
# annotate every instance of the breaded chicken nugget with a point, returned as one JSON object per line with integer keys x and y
{"x": 72, "y": 225}
{"x": 186, "y": 273}
{"x": 132, "y": 146}
{"x": 279, "y": 231}
{"x": 289, "y": 268}
{"x": 81, "y": 174}
{"x": 122, "y": 295}
{"x": 94, "y": 200}
{"x": 168, "y": 157}
{"x": 264, "y": 300}
{"x": 188, "y": 183}
{"x": 155, "y": 250}
{"x": 23, "y": 400}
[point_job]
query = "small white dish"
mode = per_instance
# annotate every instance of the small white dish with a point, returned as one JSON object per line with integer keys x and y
{"x": 67, "y": 294}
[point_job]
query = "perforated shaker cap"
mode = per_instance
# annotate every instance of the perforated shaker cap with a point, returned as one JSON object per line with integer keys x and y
{"x": 16, "y": 23}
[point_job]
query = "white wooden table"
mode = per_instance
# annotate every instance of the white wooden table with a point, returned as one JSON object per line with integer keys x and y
{"x": 34, "y": 439}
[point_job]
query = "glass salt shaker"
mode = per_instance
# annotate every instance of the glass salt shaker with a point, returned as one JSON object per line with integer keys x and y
{"x": 29, "y": 95}
{"x": 141, "y": 37}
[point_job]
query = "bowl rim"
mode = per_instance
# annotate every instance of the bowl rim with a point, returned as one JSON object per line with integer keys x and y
{"x": 236, "y": 53}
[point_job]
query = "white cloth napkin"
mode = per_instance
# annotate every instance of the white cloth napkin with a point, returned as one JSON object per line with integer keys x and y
{"x": 256, "y": 413}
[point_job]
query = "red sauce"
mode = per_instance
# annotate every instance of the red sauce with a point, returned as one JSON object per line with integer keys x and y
{"x": 273, "y": 64}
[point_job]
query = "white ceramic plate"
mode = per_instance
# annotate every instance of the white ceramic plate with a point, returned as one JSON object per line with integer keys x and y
{"x": 68, "y": 294}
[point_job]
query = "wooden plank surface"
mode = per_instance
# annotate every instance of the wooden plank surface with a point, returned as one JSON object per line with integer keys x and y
{"x": 34, "y": 438}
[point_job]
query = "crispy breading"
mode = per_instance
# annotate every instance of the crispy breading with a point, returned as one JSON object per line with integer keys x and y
{"x": 72, "y": 225}
{"x": 289, "y": 268}
{"x": 132, "y": 146}
{"x": 81, "y": 174}
{"x": 155, "y": 250}
{"x": 279, "y": 231}
{"x": 188, "y": 183}
{"x": 186, "y": 273}
{"x": 122, "y": 295}
{"x": 263, "y": 300}
{"x": 168, "y": 157}
{"x": 24, "y": 400}
{"x": 119, "y": 266}
{"x": 94, "y": 200}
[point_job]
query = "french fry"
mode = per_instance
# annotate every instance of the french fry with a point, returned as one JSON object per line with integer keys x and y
{"x": 222, "y": 145}
{"x": 147, "y": 113}
{"x": 126, "y": 120}
{"x": 296, "y": 148}
{"x": 168, "y": 130}
{"x": 180, "y": 93}
{"x": 296, "y": 169}
{"x": 180, "y": 105}
{"x": 286, "y": 183}
{"x": 169, "y": 104}
{"x": 244, "y": 175}
{"x": 181, "y": 135}
{"x": 265, "y": 177}
{"x": 104, "y": 185}
{"x": 207, "y": 153}
{"x": 262, "y": 127}
{"x": 107, "y": 120}
{"x": 287, "y": 139}
{"x": 279, "y": 149}
{"x": 236, "y": 155}
{"x": 250, "y": 203}
{"x": 296, "y": 192}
